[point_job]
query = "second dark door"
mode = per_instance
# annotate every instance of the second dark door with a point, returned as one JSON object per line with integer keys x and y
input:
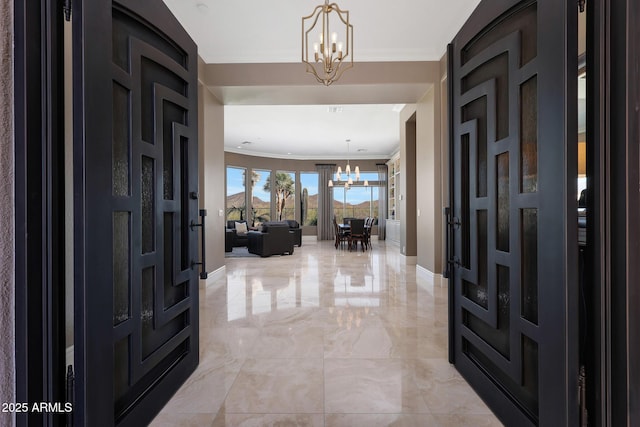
{"x": 514, "y": 288}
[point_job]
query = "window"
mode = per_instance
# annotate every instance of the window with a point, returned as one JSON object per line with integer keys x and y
{"x": 236, "y": 195}
{"x": 261, "y": 197}
{"x": 309, "y": 198}
{"x": 358, "y": 201}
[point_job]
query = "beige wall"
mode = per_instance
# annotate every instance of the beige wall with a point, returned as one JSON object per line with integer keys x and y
{"x": 429, "y": 177}
{"x": 406, "y": 193}
{"x": 424, "y": 176}
{"x": 211, "y": 171}
{"x": 366, "y": 83}
{"x": 7, "y": 210}
{"x": 444, "y": 155}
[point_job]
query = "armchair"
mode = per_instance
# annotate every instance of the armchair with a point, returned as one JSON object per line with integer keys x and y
{"x": 274, "y": 239}
{"x": 294, "y": 227}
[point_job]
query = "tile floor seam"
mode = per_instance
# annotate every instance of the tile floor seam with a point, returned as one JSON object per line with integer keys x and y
{"x": 226, "y": 394}
{"x": 407, "y": 320}
{"x": 324, "y": 391}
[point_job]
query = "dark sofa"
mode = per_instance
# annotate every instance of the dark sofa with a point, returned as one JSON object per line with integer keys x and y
{"x": 275, "y": 238}
{"x": 294, "y": 227}
{"x": 229, "y": 235}
{"x": 237, "y": 239}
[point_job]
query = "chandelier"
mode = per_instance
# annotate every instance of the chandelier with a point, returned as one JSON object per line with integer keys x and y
{"x": 334, "y": 45}
{"x": 348, "y": 178}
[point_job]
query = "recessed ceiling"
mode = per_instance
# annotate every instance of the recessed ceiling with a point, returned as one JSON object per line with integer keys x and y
{"x": 251, "y": 32}
{"x": 313, "y": 131}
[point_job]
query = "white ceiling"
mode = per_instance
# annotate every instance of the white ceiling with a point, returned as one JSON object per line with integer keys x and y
{"x": 257, "y": 31}
{"x": 313, "y": 131}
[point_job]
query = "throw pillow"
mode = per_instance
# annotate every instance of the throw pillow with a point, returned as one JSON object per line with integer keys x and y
{"x": 241, "y": 228}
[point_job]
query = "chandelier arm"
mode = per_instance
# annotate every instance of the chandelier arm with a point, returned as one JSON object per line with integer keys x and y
{"x": 342, "y": 70}
{"x": 349, "y": 42}
{"x": 346, "y": 13}
{"x": 312, "y": 70}
{"x": 349, "y": 64}
{"x": 306, "y": 33}
{"x": 346, "y": 22}
{"x": 344, "y": 66}
{"x": 304, "y": 18}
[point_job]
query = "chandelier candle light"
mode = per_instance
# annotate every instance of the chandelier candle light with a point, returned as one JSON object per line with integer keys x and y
{"x": 333, "y": 49}
{"x": 347, "y": 170}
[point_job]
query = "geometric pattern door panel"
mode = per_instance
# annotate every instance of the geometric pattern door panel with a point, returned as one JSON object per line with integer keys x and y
{"x": 153, "y": 278}
{"x": 496, "y": 202}
{"x": 148, "y": 247}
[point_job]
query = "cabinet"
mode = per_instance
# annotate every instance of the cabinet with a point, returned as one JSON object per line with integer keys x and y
{"x": 393, "y": 231}
{"x": 393, "y": 181}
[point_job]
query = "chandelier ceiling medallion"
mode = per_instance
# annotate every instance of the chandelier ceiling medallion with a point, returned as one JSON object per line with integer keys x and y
{"x": 348, "y": 178}
{"x": 329, "y": 53}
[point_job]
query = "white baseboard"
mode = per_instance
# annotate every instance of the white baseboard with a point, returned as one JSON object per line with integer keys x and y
{"x": 213, "y": 276}
{"x": 433, "y": 278}
{"x": 420, "y": 270}
{"x": 444, "y": 283}
{"x": 410, "y": 260}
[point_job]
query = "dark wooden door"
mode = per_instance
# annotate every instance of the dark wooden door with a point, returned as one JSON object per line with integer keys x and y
{"x": 135, "y": 172}
{"x": 514, "y": 318}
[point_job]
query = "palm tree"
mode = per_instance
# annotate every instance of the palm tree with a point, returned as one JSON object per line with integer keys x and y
{"x": 255, "y": 177}
{"x": 284, "y": 187}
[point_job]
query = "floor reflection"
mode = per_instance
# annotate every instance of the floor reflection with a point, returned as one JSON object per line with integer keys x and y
{"x": 324, "y": 338}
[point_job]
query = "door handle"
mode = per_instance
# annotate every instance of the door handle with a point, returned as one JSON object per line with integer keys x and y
{"x": 451, "y": 223}
{"x": 203, "y": 243}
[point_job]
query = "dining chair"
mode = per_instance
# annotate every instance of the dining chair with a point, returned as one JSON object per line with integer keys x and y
{"x": 368, "y": 222}
{"x": 357, "y": 234}
{"x": 341, "y": 235}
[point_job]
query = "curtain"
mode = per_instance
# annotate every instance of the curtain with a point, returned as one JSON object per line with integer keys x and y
{"x": 382, "y": 201}
{"x": 325, "y": 202}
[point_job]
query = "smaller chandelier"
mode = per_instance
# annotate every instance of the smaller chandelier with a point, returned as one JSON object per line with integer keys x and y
{"x": 348, "y": 178}
{"x": 334, "y": 45}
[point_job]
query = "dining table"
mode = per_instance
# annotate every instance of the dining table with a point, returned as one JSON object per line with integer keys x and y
{"x": 344, "y": 227}
{"x": 347, "y": 227}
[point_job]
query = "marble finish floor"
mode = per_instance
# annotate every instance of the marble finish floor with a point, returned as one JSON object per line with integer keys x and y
{"x": 324, "y": 337}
